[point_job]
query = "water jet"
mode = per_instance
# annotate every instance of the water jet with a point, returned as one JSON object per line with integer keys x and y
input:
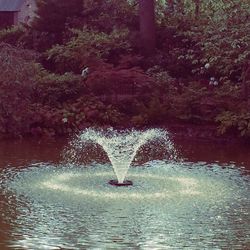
{"x": 121, "y": 147}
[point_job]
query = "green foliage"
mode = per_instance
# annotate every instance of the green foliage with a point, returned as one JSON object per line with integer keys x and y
{"x": 106, "y": 15}
{"x": 113, "y": 81}
{"x": 50, "y": 23}
{"x": 226, "y": 49}
{"x": 87, "y": 48}
{"x": 42, "y": 91}
{"x": 190, "y": 101}
{"x": 73, "y": 115}
{"x": 53, "y": 89}
{"x": 162, "y": 78}
{"x": 52, "y": 15}
{"x": 234, "y": 120}
{"x": 17, "y": 69}
{"x": 18, "y": 66}
{"x": 152, "y": 112}
{"x": 219, "y": 37}
{"x": 12, "y": 35}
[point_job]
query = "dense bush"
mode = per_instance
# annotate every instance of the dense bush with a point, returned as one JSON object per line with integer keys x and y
{"x": 53, "y": 89}
{"x": 235, "y": 121}
{"x": 73, "y": 115}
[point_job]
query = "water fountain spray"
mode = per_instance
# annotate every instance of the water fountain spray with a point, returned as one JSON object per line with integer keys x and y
{"x": 121, "y": 147}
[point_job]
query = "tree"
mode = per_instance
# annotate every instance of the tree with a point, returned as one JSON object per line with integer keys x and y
{"x": 105, "y": 15}
{"x": 147, "y": 26}
{"x": 52, "y": 15}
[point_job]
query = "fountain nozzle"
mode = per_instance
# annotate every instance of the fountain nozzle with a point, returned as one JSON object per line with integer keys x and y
{"x": 117, "y": 184}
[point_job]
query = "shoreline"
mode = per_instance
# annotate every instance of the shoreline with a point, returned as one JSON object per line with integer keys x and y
{"x": 177, "y": 130}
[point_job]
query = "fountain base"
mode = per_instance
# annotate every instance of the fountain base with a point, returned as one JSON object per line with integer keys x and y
{"x": 117, "y": 184}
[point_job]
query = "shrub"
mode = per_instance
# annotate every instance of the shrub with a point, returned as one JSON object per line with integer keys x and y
{"x": 233, "y": 120}
{"x": 113, "y": 81}
{"x": 12, "y": 35}
{"x": 218, "y": 39}
{"x": 151, "y": 112}
{"x": 88, "y": 48}
{"x": 52, "y": 89}
{"x": 73, "y": 115}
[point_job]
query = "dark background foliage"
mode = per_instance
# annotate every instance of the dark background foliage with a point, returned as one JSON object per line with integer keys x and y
{"x": 198, "y": 73}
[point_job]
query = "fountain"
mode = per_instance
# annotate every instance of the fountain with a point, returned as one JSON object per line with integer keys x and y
{"x": 120, "y": 147}
{"x": 73, "y": 204}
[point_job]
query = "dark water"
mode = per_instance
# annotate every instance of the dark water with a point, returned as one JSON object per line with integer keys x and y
{"x": 201, "y": 203}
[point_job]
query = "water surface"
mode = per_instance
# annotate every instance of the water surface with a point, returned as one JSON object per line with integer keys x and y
{"x": 200, "y": 203}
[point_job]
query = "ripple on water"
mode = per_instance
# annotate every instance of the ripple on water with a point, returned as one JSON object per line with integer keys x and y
{"x": 197, "y": 206}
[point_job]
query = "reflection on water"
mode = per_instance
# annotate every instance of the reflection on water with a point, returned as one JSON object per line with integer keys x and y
{"x": 192, "y": 205}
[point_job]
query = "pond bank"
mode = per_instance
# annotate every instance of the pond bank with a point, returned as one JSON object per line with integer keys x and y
{"x": 177, "y": 129}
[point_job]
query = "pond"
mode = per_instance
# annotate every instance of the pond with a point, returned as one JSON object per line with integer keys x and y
{"x": 199, "y": 201}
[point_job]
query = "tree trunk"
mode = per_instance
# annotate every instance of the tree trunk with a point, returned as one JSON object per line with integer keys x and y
{"x": 147, "y": 26}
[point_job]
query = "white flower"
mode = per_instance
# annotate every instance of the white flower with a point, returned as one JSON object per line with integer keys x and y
{"x": 64, "y": 120}
{"x": 207, "y": 65}
{"x": 215, "y": 83}
{"x": 212, "y": 79}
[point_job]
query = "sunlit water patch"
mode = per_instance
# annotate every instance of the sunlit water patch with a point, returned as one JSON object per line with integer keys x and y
{"x": 170, "y": 205}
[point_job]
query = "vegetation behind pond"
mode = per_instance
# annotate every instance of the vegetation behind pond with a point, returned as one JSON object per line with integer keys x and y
{"x": 198, "y": 72}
